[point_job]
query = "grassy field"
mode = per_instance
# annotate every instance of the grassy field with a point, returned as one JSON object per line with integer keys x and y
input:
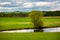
{"x": 30, "y": 36}
{"x": 10, "y": 23}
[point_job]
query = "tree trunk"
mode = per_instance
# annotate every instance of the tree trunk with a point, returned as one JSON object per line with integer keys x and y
{"x": 40, "y": 29}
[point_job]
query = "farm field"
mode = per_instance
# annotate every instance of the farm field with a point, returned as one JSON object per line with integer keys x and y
{"x": 30, "y": 36}
{"x": 16, "y": 22}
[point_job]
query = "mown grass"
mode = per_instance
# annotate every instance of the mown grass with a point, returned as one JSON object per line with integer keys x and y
{"x": 16, "y": 22}
{"x": 30, "y": 36}
{"x": 51, "y": 21}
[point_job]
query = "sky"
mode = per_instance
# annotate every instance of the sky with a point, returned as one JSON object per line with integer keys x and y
{"x": 28, "y": 5}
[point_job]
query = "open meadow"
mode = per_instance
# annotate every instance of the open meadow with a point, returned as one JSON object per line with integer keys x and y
{"x": 25, "y": 22}
{"x": 30, "y": 36}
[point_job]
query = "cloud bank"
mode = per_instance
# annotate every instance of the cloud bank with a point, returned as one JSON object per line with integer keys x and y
{"x": 28, "y": 5}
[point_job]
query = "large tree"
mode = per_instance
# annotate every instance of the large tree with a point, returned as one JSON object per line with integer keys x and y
{"x": 36, "y": 18}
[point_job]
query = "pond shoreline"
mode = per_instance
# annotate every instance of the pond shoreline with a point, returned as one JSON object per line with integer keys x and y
{"x": 56, "y": 29}
{"x": 26, "y": 28}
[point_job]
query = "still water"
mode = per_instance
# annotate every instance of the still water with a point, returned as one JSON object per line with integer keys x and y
{"x": 32, "y": 30}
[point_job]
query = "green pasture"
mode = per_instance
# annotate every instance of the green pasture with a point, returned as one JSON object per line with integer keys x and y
{"x": 16, "y": 22}
{"x": 30, "y": 36}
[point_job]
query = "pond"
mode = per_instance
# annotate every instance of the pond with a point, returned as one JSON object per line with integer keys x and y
{"x": 52, "y": 29}
{"x": 32, "y": 30}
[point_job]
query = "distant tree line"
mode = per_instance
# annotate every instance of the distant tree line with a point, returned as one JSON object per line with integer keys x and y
{"x": 52, "y": 13}
{"x": 25, "y": 14}
{"x": 13, "y": 14}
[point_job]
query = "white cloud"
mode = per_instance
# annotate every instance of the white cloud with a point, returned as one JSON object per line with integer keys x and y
{"x": 27, "y": 5}
{"x": 55, "y": 8}
{"x": 42, "y": 3}
{"x": 5, "y": 8}
{"x": 4, "y": 3}
{"x": 35, "y": 4}
{"x": 38, "y": 4}
{"x": 18, "y": 2}
{"x": 51, "y": 5}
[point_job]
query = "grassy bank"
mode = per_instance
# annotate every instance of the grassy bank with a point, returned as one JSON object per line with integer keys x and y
{"x": 16, "y": 22}
{"x": 30, "y": 36}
